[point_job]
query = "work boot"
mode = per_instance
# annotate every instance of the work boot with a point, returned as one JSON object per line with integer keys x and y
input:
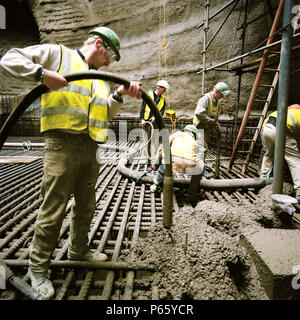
{"x": 298, "y": 196}
{"x": 207, "y": 174}
{"x": 88, "y": 256}
{"x": 153, "y": 187}
{"x": 41, "y": 283}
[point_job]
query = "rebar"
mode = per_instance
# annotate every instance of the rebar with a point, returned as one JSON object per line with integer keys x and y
{"x": 18, "y": 263}
{"x": 121, "y": 219}
{"x": 111, "y": 274}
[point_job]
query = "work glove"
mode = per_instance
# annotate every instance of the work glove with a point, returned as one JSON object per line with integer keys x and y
{"x": 216, "y": 124}
{"x": 154, "y": 167}
{"x": 153, "y": 188}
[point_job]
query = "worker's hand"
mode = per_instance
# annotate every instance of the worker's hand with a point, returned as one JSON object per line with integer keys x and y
{"x": 152, "y": 120}
{"x": 54, "y": 80}
{"x": 143, "y": 122}
{"x": 133, "y": 90}
{"x": 216, "y": 124}
{"x": 154, "y": 167}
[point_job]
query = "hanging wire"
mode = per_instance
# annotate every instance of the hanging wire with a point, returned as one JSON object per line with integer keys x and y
{"x": 159, "y": 35}
{"x": 165, "y": 52}
{"x": 272, "y": 36}
{"x": 235, "y": 32}
{"x": 162, "y": 12}
{"x": 265, "y": 16}
{"x": 165, "y": 42}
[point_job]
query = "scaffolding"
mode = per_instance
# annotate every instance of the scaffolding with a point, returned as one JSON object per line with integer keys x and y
{"x": 273, "y": 42}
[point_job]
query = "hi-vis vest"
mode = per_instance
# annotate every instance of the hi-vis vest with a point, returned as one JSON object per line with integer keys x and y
{"x": 210, "y": 112}
{"x": 184, "y": 146}
{"x": 80, "y": 105}
{"x": 292, "y": 121}
{"x": 160, "y": 105}
{"x": 272, "y": 114}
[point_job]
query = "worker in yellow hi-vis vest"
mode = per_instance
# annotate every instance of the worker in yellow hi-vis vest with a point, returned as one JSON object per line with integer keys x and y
{"x": 184, "y": 152}
{"x": 74, "y": 117}
{"x": 292, "y": 145}
{"x": 207, "y": 112}
{"x": 146, "y": 116}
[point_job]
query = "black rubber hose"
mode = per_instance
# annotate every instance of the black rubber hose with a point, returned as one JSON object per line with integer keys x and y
{"x": 107, "y": 76}
{"x": 19, "y": 283}
{"x": 208, "y": 184}
{"x": 38, "y": 91}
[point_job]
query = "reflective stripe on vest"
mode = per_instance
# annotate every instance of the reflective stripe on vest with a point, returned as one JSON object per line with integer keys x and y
{"x": 159, "y": 107}
{"x": 73, "y": 107}
{"x": 98, "y": 117}
{"x": 184, "y": 146}
{"x": 293, "y": 119}
{"x": 209, "y": 110}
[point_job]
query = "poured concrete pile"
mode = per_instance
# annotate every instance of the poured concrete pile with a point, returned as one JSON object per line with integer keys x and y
{"x": 276, "y": 254}
{"x": 201, "y": 256}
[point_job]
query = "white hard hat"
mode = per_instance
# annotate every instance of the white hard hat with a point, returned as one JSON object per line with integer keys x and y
{"x": 222, "y": 87}
{"x": 163, "y": 83}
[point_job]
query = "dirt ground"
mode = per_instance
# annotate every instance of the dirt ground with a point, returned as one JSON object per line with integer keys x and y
{"x": 200, "y": 256}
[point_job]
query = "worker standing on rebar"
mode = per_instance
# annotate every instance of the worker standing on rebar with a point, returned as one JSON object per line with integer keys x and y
{"x": 74, "y": 117}
{"x": 147, "y": 118}
{"x": 207, "y": 112}
{"x": 292, "y": 145}
{"x": 184, "y": 149}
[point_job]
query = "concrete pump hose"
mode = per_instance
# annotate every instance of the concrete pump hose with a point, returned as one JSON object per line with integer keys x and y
{"x": 19, "y": 283}
{"x": 209, "y": 184}
{"x": 107, "y": 76}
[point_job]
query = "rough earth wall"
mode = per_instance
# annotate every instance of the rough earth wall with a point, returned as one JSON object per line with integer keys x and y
{"x": 143, "y": 27}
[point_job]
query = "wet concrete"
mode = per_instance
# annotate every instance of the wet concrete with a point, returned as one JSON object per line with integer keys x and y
{"x": 222, "y": 251}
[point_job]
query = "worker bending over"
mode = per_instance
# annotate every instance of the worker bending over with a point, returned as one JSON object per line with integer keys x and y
{"x": 292, "y": 145}
{"x": 184, "y": 150}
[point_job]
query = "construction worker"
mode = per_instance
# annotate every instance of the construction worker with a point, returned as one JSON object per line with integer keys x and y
{"x": 207, "y": 112}
{"x": 184, "y": 155}
{"x": 74, "y": 117}
{"x": 292, "y": 145}
{"x": 146, "y": 116}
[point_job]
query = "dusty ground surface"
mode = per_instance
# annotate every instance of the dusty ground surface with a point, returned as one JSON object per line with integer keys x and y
{"x": 200, "y": 256}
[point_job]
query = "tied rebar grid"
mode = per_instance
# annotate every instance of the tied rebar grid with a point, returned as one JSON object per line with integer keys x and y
{"x": 125, "y": 211}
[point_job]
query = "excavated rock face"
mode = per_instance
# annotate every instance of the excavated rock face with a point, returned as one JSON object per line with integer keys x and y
{"x": 144, "y": 27}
